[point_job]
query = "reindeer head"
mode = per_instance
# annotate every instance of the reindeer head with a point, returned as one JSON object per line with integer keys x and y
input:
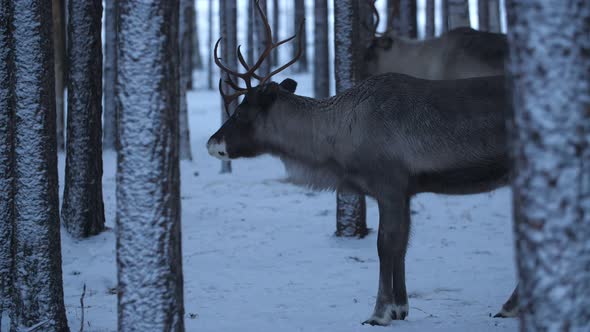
{"x": 237, "y": 137}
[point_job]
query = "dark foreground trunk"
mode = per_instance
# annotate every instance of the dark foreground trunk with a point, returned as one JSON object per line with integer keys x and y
{"x": 149, "y": 259}
{"x": 350, "y": 216}
{"x": 38, "y": 291}
{"x": 83, "y": 209}
{"x": 550, "y": 66}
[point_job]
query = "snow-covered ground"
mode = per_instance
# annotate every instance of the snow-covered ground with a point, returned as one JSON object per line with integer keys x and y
{"x": 260, "y": 255}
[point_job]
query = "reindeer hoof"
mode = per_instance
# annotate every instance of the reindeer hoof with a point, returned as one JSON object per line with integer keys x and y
{"x": 390, "y": 312}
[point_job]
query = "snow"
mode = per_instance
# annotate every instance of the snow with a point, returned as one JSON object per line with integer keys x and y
{"x": 260, "y": 255}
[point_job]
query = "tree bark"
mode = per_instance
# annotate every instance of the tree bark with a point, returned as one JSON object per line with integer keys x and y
{"x": 483, "y": 15}
{"x": 186, "y": 72}
{"x": 228, "y": 29}
{"x": 7, "y": 107}
{"x": 550, "y": 132}
{"x": 83, "y": 209}
{"x": 458, "y": 14}
{"x": 430, "y": 22}
{"x": 148, "y": 202}
{"x": 494, "y": 16}
{"x": 301, "y": 65}
{"x": 59, "y": 43}
{"x": 109, "y": 140}
{"x": 351, "y": 207}
{"x": 321, "y": 80}
{"x": 275, "y": 31}
{"x": 444, "y": 15}
{"x": 250, "y": 30}
{"x": 186, "y": 35}
{"x": 38, "y": 290}
{"x": 197, "y": 60}
{"x": 260, "y": 42}
{"x": 210, "y": 80}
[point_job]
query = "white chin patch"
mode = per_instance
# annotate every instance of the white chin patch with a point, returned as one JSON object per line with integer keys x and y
{"x": 218, "y": 151}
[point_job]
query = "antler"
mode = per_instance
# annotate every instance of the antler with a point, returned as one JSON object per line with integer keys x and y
{"x": 374, "y": 32}
{"x": 251, "y": 70}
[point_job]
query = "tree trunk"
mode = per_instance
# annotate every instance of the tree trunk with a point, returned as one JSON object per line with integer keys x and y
{"x": 444, "y": 15}
{"x": 186, "y": 73}
{"x": 228, "y": 29}
{"x": 186, "y": 35}
{"x": 251, "y": 12}
{"x": 260, "y": 33}
{"x": 197, "y": 60}
{"x": 351, "y": 207}
{"x": 7, "y": 105}
{"x": 483, "y": 15}
{"x": 109, "y": 140}
{"x": 551, "y": 150}
{"x": 494, "y": 16}
{"x": 59, "y": 51}
{"x": 458, "y": 14}
{"x": 210, "y": 84}
{"x": 430, "y": 22}
{"x": 38, "y": 295}
{"x": 83, "y": 210}
{"x": 149, "y": 259}
{"x": 275, "y": 31}
{"x": 402, "y": 17}
{"x": 301, "y": 65}
{"x": 321, "y": 80}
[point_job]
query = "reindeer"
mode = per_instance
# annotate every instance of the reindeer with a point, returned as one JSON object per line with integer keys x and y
{"x": 459, "y": 53}
{"x": 390, "y": 137}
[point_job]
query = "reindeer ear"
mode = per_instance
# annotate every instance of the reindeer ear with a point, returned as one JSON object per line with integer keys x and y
{"x": 289, "y": 85}
{"x": 385, "y": 42}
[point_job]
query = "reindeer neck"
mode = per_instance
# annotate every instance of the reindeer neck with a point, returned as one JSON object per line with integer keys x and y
{"x": 304, "y": 128}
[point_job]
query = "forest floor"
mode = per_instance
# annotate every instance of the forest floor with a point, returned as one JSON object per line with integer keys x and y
{"x": 260, "y": 254}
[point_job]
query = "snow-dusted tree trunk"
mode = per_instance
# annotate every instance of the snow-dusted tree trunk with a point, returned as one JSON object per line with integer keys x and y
{"x": 457, "y": 13}
{"x": 185, "y": 35}
{"x": 149, "y": 257}
{"x": 250, "y": 30}
{"x": 550, "y": 131}
{"x": 197, "y": 59}
{"x": 351, "y": 207}
{"x": 6, "y": 155}
{"x": 301, "y": 65}
{"x": 210, "y": 79}
{"x": 494, "y": 24}
{"x": 109, "y": 140}
{"x": 260, "y": 39}
{"x": 430, "y": 25}
{"x": 483, "y": 15}
{"x": 186, "y": 73}
{"x": 321, "y": 78}
{"x": 38, "y": 290}
{"x": 83, "y": 209}
{"x": 228, "y": 30}
{"x": 59, "y": 51}
{"x": 402, "y": 17}
{"x": 275, "y": 31}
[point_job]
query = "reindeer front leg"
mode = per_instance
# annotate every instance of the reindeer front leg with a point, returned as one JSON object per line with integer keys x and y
{"x": 392, "y": 242}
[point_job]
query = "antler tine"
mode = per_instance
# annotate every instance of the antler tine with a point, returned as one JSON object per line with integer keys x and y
{"x": 233, "y": 84}
{"x": 269, "y": 45}
{"x": 377, "y": 17}
{"x": 297, "y": 56}
{"x": 227, "y": 99}
{"x": 245, "y": 64}
{"x": 245, "y": 76}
